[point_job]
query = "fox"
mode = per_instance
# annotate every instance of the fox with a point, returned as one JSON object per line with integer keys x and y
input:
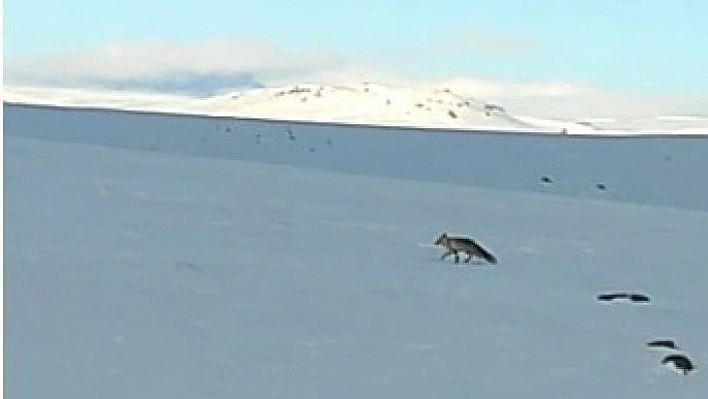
{"x": 454, "y": 245}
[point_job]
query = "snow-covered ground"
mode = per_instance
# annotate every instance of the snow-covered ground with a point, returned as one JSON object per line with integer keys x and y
{"x": 360, "y": 103}
{"x": 218, "y": 272}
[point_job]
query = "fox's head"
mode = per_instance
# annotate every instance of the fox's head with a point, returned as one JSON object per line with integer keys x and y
{"x": 441, "y": 239}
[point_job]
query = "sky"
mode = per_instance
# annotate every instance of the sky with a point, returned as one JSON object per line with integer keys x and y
{"x": 645, "y": 48}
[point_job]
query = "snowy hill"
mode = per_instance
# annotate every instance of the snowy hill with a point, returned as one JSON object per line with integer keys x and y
{"x": 138, "y": 273}
{"x": 380, "y": 104}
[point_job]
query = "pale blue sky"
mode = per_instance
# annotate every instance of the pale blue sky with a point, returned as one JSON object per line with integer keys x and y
{"x": 654, "y": 46}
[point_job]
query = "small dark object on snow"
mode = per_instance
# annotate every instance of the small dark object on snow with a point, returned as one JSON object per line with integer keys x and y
{"x": 601, "y": 186}
{"x": 662, "y": 343}
{"x": 612, "y": 297}
{"x": 546, "y": 179}
{"x": 638, "y": 298}
{"x": 681, "y": 362}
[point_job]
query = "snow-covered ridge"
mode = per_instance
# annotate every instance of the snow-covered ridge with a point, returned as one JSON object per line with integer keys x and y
{"x": 363, "y": 103}
{"x": 359, "y": 103}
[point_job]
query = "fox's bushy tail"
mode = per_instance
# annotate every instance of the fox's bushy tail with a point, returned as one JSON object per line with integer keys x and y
{"x": 488, "y": 256}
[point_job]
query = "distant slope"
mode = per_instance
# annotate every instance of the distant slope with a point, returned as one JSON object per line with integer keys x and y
{"x": 655, "y": 170}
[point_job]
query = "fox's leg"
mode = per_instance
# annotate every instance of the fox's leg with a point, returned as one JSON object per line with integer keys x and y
{"x": 445, "y": 255}
{"x": 469, "y": 257}
{"x": 457, "y": 257}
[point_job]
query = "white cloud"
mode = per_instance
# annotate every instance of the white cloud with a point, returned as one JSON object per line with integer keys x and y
{"x": 271, "y": 65}
{"x": 344, "y": 74}
{"x": 156, "y": 59}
